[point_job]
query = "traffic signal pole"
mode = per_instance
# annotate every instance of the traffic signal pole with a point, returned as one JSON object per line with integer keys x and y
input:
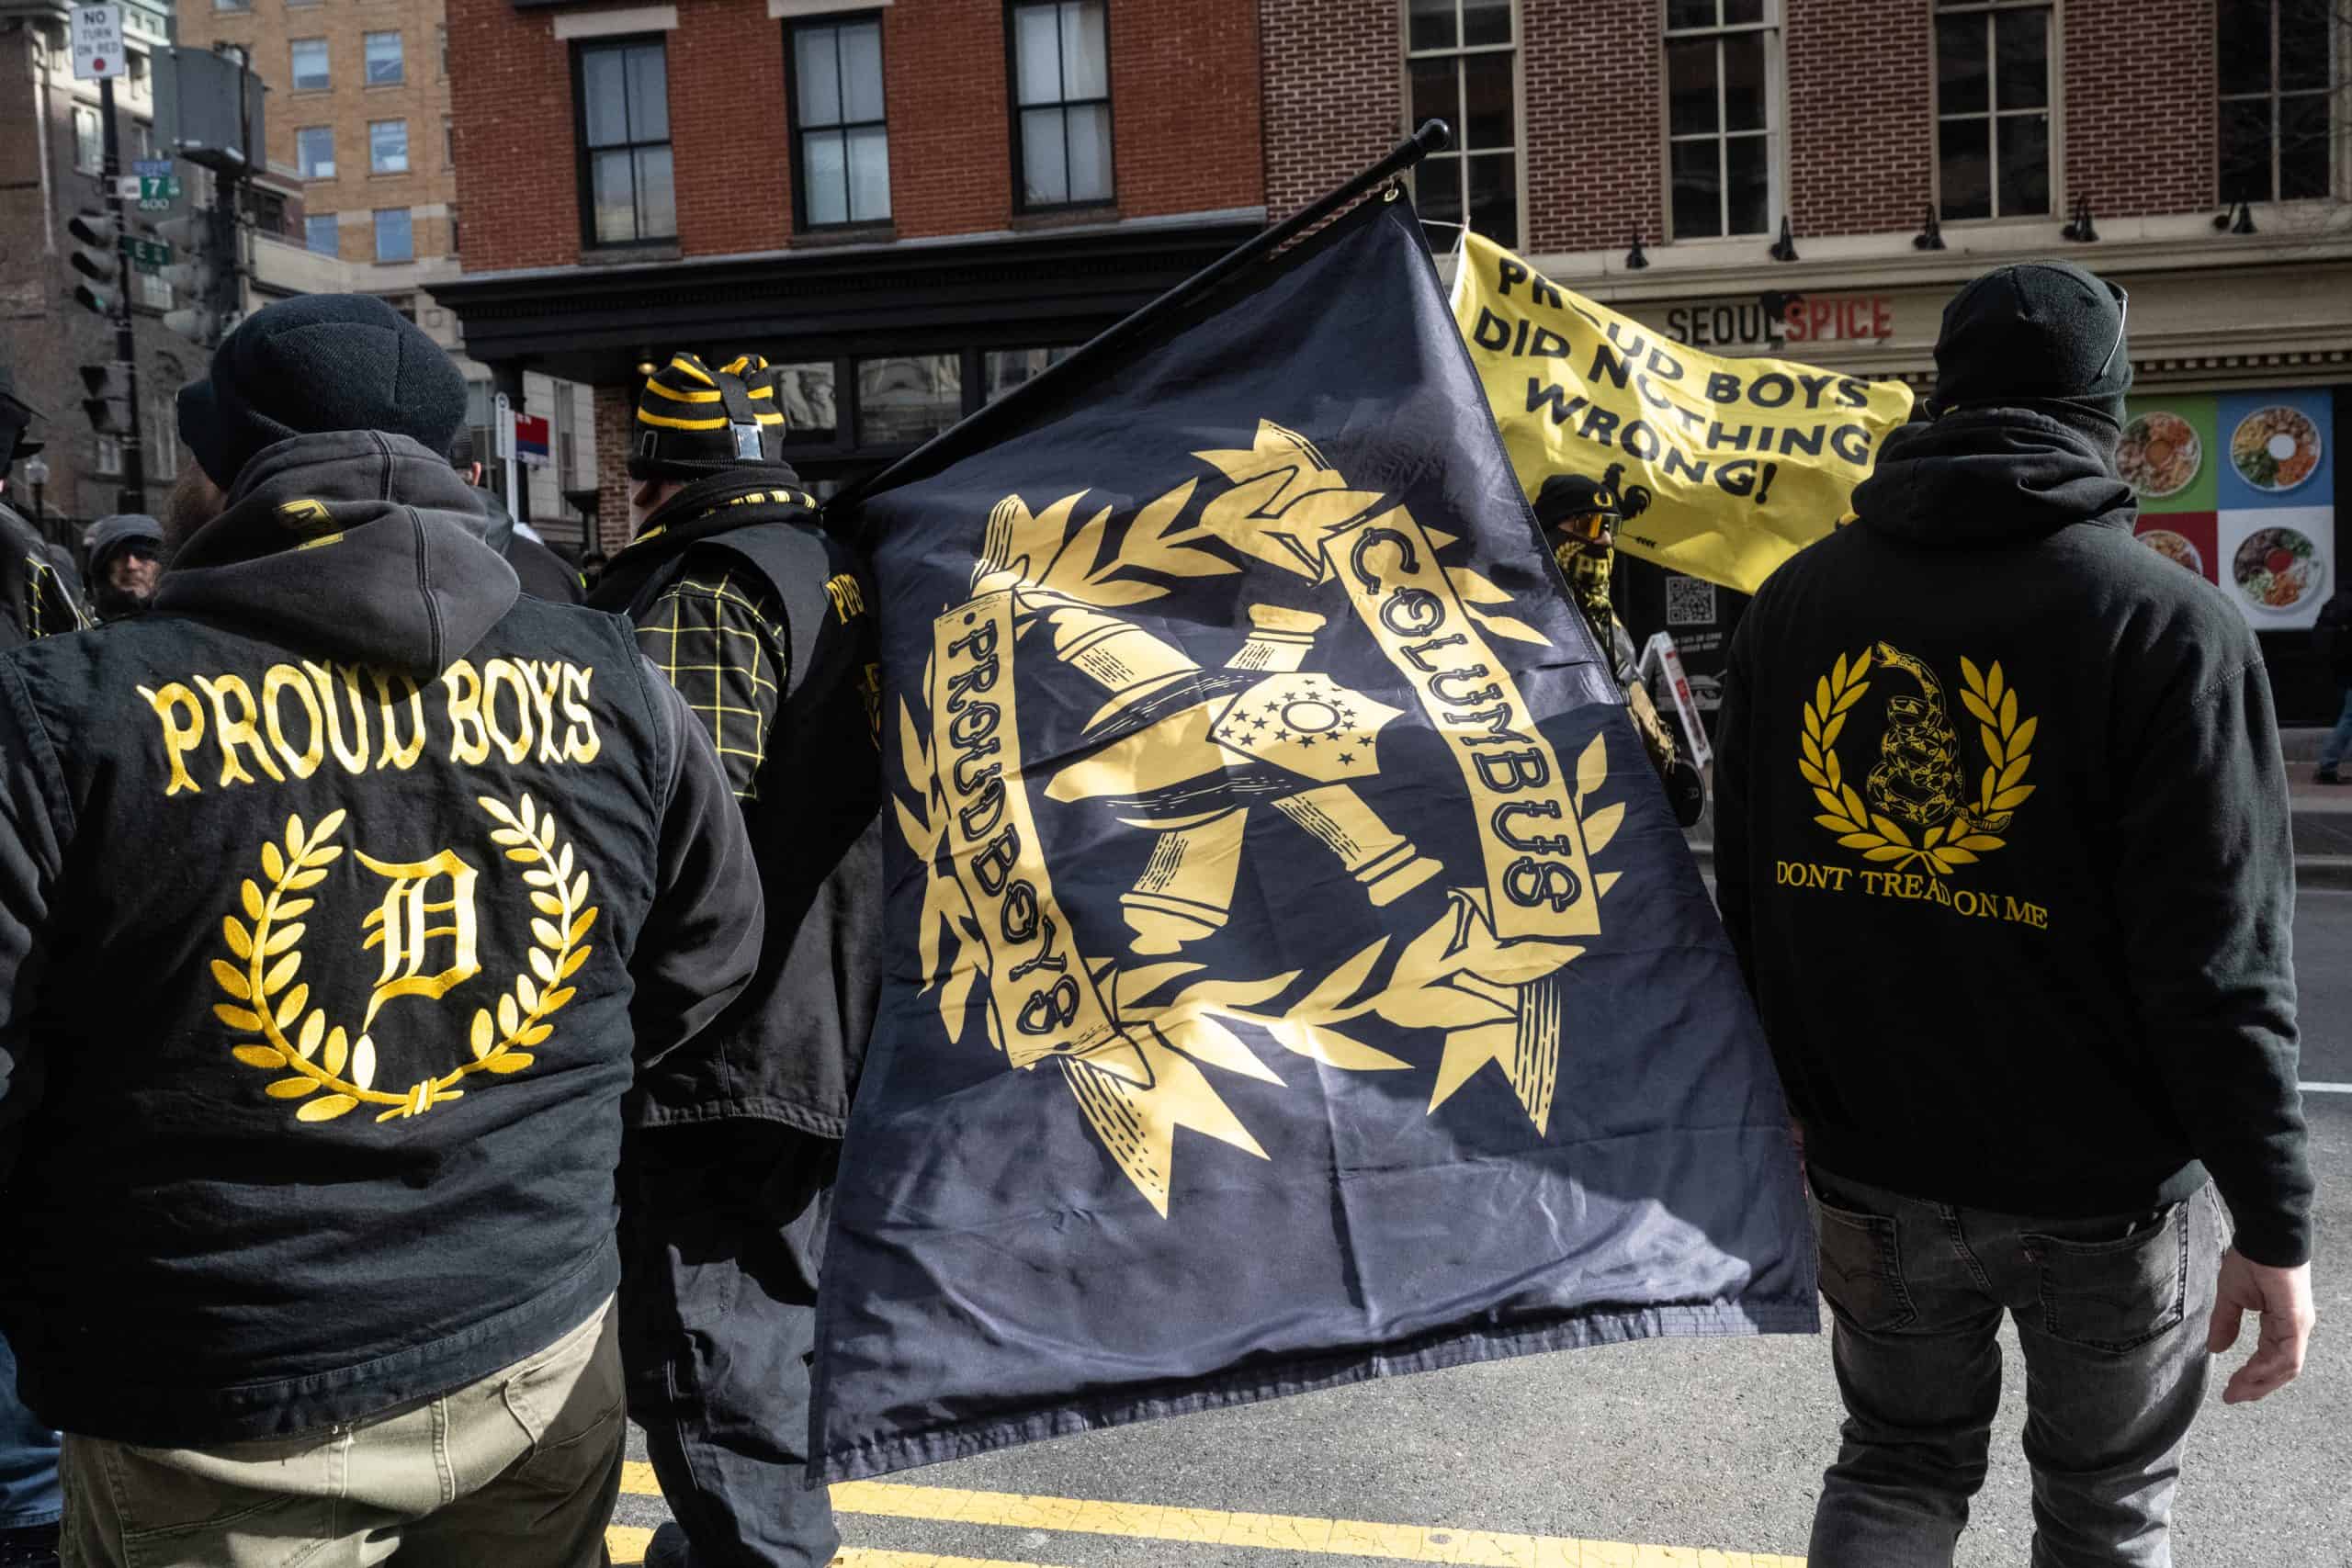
{"x": 132, "y": 497}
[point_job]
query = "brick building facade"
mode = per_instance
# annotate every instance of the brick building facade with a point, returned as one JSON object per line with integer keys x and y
{"x": 50, "y": 135}
{"x": 1656, "y": 147}
{"x": 914, "y": 204}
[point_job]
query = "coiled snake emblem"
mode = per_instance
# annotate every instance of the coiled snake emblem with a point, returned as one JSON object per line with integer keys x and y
{"x": 1917, "y": 778}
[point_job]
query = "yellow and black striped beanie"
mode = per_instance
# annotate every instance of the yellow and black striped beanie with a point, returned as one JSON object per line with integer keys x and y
{"x": 693, "y": 421}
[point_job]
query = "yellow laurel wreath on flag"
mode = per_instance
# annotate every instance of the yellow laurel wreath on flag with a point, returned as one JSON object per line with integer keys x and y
{"x": 1977, "y": 829}
{"x": 297, "y": 1035}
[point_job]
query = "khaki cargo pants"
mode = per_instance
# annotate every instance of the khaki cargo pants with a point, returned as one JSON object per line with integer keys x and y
{"x": 517, "y": 1471}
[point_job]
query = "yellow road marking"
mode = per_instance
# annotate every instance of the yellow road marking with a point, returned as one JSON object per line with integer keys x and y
{"x": 1215, "y": 1527}
{"x": 628, "y": 1545}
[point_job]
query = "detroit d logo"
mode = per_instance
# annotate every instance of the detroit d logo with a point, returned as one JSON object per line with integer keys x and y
{"x": 427, "y": 913}
{"x": 1916, "y": 805}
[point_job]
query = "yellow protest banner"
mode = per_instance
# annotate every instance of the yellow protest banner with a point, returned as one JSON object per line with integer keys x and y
{"x": 1726, "y": 467}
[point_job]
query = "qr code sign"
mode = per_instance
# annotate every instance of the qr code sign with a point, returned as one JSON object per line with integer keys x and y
{"x": 1690, "y": 601}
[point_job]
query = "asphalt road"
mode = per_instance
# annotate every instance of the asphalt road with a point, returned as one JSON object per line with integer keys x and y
{"x": 1713, "y": 1447}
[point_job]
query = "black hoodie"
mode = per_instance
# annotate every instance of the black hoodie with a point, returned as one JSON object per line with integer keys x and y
{"x": 2002, "y": 843}
{"x": 340, "y": 897}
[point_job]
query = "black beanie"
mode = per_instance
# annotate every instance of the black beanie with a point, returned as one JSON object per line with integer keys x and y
{"x": 693, "y": 421}
{"x": 316, "y": 363}
{"x": 2038, "y": 332}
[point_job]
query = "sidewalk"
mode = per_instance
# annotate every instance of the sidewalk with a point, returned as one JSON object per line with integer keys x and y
{"x": 2323, "y": 818}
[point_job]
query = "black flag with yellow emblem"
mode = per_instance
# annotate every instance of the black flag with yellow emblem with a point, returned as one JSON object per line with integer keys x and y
{"x": 1296, "y": 974}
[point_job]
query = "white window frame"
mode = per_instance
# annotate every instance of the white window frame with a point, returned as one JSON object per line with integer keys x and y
{"x": 293, "y": 71}
{"x": 106, "y": 460}
{"x": 87, "y": 114}
{"x": 1516, "y": 47}
{"x": 368, "y": 66}
{"x": 408, "y": 161}
{"x": 1776, "y": 126}
{"x": 2339, "y": 115}
{"x": 327, "y": 173}
{"x": 2053, "y": 65}
{"x": 376, "y": 236}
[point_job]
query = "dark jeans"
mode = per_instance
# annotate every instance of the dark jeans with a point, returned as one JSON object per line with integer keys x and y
{"x": 722, "y": 1227}
{"x": 29, "y": 1492}
{"x": 2338, "y": 744}
{"x": 2111, "y": 1314}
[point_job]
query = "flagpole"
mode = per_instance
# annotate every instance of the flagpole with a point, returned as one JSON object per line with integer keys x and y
{"x": 1434, "y": 136}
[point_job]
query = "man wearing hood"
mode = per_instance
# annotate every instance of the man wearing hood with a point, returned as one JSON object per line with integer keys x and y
{"x": 541, "y": 571}
{"x": 2002, "y": 839}
{"x": 759, "y": 617}
{"x": 126, "y": 554}
{"x": 310, "y": 1231}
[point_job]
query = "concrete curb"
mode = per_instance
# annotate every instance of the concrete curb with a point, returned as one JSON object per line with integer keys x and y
{"x": 2313, "y": 873}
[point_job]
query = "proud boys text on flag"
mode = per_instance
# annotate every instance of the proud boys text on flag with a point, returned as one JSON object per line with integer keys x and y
{"x": 1296, "y": 975}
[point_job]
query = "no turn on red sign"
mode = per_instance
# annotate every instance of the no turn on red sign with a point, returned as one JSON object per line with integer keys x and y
{"x": 97, "y": 42}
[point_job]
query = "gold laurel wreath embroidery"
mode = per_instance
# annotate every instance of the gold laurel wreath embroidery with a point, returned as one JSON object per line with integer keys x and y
{"x": 324, "y": 1058}
{"x": 2007, "y": 741}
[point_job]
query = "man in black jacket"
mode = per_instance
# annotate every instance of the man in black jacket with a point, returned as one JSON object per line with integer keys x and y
{"x": 2002, "y": 836}
{"x": 310, "y": 1231}
{"x": 36, "y": 600}
{"x": 126, "y": 554}
{"x": 760, "y": 619}
{"x": 543, "y": 573}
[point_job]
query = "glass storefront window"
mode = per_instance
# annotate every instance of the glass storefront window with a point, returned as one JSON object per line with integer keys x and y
{"x": 908, "y": 398}
{"x": 809, "y": 409}
{"x": 1002, "y": 370}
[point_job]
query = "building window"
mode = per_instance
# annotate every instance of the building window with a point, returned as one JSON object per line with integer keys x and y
{"x": 143, "y": 140}
{"x": 908, "y": 397}
{"x": 623, "y": 91}
{"x": 154, "y": 292}
{"x": 322, "y": 233}
{"x": 232, "y": 5}
{"x": 2276, "y": 72}
{"x": 449, "y": 142}
{"x": 141, "y": 74}
{"x": 315, "y": 152}
{"x": 1992, "y": 108}
{"x": 1722, "y": 117}
{"x": 808, "y": 393}
{"x": 108, "y": 462}
{"x": 843, "y": 165}
{"x": 309, "y": 64}
{"x": 385, "y": 62}
{"x": 162, "y": 433}
{"x": 1460, "y": 67}
{"x": 1002, "y": 370}
{"x": 89, "y": 141}
{"x": 395, "y": 235}
{"x": 1061, "y": 72}
{"x": 441, "y": 45}
{"x": 387, "y": 147}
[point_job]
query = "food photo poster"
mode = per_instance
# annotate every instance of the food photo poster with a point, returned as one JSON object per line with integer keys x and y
{"x": 2240, "y": 487}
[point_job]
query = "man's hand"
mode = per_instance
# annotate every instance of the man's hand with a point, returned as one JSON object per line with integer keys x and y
{"x": 2282, "y": 1299}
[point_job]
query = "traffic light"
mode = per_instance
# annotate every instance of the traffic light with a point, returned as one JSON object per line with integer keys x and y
{"x": 99, "y": 228}
{"x": 207, "y": 280}
{"x": 97, "y": 238}
{"x": 108, "y": 386}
